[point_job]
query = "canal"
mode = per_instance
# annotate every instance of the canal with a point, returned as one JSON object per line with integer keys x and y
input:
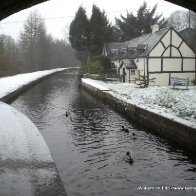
{"x": 89, "y": 147}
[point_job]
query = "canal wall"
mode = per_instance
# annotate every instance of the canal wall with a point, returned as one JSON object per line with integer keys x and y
{"x": 174, "y": 128}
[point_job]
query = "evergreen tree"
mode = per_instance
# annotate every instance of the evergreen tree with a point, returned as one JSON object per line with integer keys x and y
{"x": 79, "y": 35}
{"x": 133, "y": 26}
{"x": 101, "y": 30}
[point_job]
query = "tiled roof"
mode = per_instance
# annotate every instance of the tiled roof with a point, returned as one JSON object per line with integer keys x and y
{"x": 137, "y": 47}
{"x": 129, "y": 64}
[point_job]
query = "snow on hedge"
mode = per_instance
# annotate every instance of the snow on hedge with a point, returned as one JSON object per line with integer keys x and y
{"x": 178, "y": 102}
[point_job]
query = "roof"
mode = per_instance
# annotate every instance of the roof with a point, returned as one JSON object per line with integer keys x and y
{"x": 189, "y": 35}
{"x": 137, "y": 47}
{"x": 129, "y": 64}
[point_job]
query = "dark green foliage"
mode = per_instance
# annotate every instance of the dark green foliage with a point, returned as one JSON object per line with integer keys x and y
{"x": 98, "y": 65}
{"x": 144, "y": 81}
{"x": 89, "y": 36}
{"x": 101, "y": 30}
{"x": 194, "y": 81}
{"x": 134, "y": 26}
{"x": 104, "y": 61}
{"x": 79, "y": 35}
{"x": 79, "y": 31}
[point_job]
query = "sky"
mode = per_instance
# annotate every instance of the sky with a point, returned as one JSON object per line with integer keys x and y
{"x": 58, "y": 14}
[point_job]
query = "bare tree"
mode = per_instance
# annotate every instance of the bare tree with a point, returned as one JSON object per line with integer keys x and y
{"x": 8, "y": 56}
{"x": 181, "y": 19}
{"x": 33, "y": 41}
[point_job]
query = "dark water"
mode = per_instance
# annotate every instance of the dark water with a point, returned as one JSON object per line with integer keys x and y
{"x": 89, "y": 147}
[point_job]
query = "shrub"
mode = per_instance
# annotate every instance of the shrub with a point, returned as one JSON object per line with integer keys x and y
{"x": 194, "y": 81}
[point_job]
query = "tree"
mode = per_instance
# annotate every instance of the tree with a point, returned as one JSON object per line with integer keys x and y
{"x": 133, "y": 26}
{"x": 89, "y": 36}
{"x": 8, "y": 56}
{"x": 100, "y": 29}
{"x": 79, "y": 35}
{"x": 180, "y": 19}
{"x": 33, "y": 42}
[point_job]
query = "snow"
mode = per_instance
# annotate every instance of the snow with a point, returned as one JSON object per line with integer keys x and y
{"x": 13, "y": 83}
{"x": 177, "y": 104}
{"x": 27, "y": 167}
{"x": 95, "y": 84}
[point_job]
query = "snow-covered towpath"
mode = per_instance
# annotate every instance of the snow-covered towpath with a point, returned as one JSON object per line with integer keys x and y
{"x": 180, "y": 103}
{"x": 13, "y": 83}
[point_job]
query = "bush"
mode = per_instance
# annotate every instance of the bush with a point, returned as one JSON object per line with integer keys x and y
{"x": 104, "y": 61}
{"x": 98, "y": 65}
{"x": 194, "y": 81}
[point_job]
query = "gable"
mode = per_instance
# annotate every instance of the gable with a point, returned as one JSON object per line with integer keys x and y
{"x": 172, "y": 45}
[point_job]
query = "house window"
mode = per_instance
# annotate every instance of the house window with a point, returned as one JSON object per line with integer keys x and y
{"x": 132, "y": 72}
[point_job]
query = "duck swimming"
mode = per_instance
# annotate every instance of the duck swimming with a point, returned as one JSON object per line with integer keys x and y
{"x": 124, "y": 129}
{"x": 66, "y": 114}
{"x": 128, "y": 158}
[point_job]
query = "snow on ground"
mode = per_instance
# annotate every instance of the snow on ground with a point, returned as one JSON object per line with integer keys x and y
{"x": 27, "y": 166}
{"x": 12, "y": 83}
{"x": 177, "y": 102}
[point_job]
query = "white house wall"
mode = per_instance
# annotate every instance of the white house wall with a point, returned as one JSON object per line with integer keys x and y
{"x": 189, "y": 65}
{"x": 154, "y": 64}
{"x": 176, "y": 40}
{"x": 177, "y": 56}
{"x": 166, "y": 40}
{"x": 141, "y": 65}
{"x": 186, "y": 51}
{"x": 172, "y": 64}
{"x": 158, "y": 50}
{"x": 160, "y": 79}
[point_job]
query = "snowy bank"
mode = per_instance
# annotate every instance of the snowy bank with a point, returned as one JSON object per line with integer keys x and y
{"x": 11, "y": 84}
{"x": 27, "y": 167}
{"x": 161, "y": 99}
{"x": 177, "y": 129}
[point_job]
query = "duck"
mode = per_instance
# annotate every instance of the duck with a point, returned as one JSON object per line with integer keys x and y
{"x": 66, "y": 114}
{"x": 128, "y": 157}
{"x": 133, "y": 134}
{"x": 124, "y": 129}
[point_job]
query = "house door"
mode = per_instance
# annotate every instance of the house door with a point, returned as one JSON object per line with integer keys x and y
{"x": 124, "y": 75}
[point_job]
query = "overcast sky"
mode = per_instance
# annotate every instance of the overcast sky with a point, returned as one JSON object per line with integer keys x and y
{"x": 58, "y": 14}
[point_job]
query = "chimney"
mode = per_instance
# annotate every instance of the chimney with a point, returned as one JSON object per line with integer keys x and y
{"x": 155, "y": 28}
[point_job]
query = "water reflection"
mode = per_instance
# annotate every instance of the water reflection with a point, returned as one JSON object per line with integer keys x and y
{"x": 89, "y": 147}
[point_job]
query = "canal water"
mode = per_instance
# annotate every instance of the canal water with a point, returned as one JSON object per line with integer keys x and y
{"x": 89, "y": 147}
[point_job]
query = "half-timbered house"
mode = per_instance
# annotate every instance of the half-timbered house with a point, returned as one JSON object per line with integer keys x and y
{"x": 161, "y": 55}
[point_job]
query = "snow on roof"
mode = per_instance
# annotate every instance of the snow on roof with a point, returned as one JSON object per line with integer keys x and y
{"x": 129, "y": 64}
{"x": 145, "y": 42}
